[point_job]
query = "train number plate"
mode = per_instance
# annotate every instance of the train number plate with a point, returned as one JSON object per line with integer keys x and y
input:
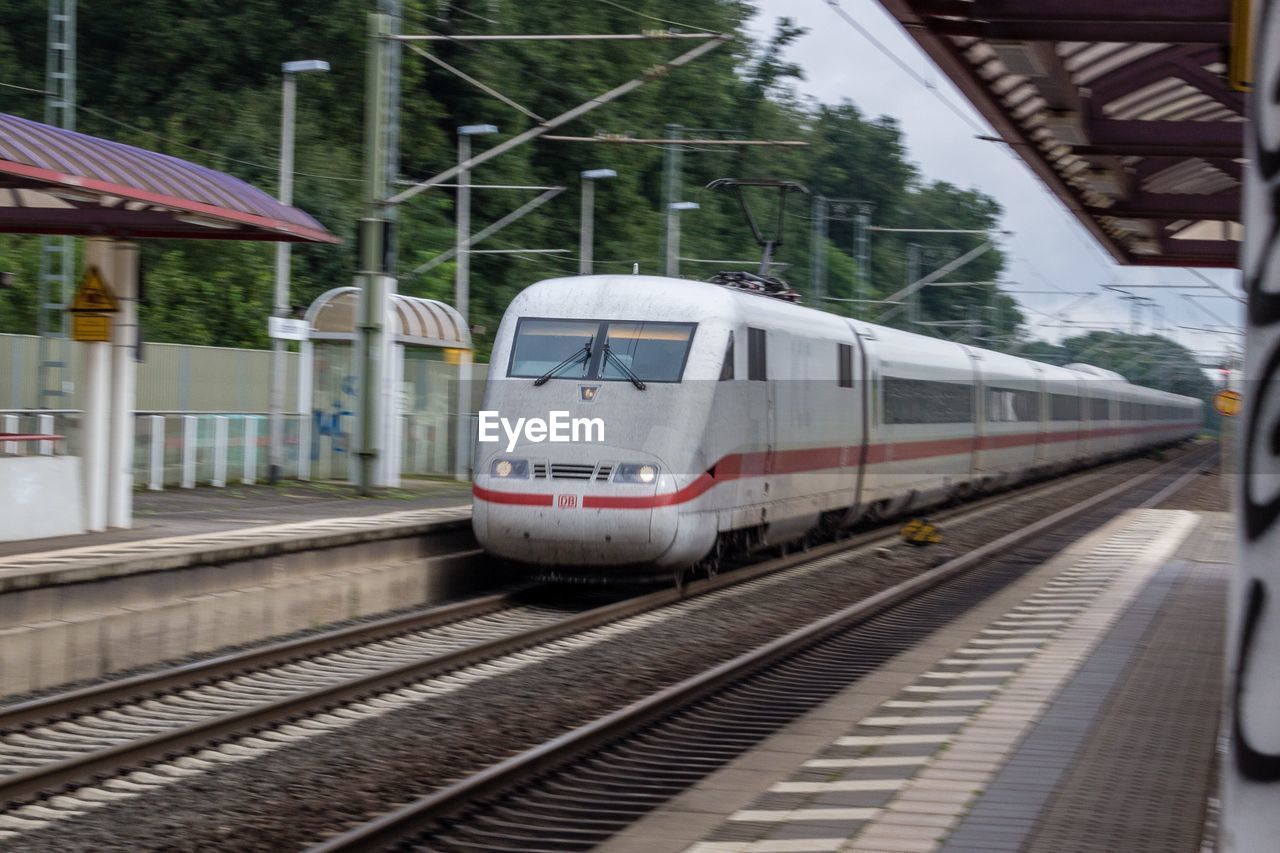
{"x": 567, "y": 501}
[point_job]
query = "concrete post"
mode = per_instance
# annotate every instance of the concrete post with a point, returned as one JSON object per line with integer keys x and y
{"x": 190, "y": 437}
{"x": 95, "y": 428}
{"x": 306, "y": 423}
{"x": 124, "y": 381}
{"x": 156, "y": 483}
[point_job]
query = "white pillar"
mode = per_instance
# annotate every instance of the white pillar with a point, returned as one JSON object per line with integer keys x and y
{"x": 156, "y": 483}
{"x": 250, "y": 475}
{"x": 11, "y": 426}
{"x": 462, "y": 422}
{"x": 95, "y": 419}
{"x": 45, "y": 427}
{"x": 306, "y": 358}
{"x": 124, "y": 372}
{"x": 219, "y": 451}
{"x": 190, "y": 427}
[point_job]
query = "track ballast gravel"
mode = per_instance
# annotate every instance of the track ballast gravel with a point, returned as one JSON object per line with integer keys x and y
{"x": 300, "y": 793}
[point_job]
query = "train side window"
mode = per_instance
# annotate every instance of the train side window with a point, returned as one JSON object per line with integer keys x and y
{"x": 845, "y": 354}
{"x": 1008, "y": 405}
{"x": 925, "y": 401}
{"x": 726, "y": 369}
{"x": 1099, "y": 409}
{"x": 1064, "y": 407}
{"x": 757, "y": 355}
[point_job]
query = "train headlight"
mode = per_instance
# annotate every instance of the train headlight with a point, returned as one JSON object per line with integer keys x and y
{"x": 636, "y": 473}
{"x": 510, "y": 469}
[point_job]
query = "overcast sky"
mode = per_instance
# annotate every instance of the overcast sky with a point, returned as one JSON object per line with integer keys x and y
{"x": 1048, "y": 249}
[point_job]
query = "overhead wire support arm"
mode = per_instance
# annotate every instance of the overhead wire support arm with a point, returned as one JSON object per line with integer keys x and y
{"x": 934, "y": 276}
{"x": 647, "y": 35}
{"x": 712, "y": 42}
{"x": 488, "y": 90}
{"x": 489, "y": 231}
{"x": 631, "y": 140}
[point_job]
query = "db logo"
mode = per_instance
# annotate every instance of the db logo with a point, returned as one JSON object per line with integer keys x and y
{"x": 567, "y": 501}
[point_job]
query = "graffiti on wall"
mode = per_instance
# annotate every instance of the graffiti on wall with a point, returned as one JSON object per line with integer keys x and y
{"x": 1250, "y": 821}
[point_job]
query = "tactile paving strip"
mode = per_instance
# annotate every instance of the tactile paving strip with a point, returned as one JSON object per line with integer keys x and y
{"x": 907, "y": 774}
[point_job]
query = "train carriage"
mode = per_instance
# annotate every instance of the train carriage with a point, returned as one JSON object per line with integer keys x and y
{"x": 732, "y": 419}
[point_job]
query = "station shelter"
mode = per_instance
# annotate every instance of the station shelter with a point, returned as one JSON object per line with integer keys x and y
{"x": 60, "y": 182}
{"x": 427, "y": 407}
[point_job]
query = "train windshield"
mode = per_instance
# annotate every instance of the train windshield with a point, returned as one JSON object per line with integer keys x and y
{"x": 653, "y": 352}
{"x": 541, "y": 345}
{"x": 575, "y": 349}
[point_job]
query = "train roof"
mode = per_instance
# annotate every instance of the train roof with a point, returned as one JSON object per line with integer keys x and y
{"x": 701, "y": 301}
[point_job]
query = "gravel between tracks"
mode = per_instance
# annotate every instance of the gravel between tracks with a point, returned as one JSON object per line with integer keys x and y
{"x": 300, "y": 793}
{"x": 1205, "y": 494}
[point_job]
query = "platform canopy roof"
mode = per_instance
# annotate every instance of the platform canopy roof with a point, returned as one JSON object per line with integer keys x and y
{"x": 418, "y": 322}
{"x": 1122, "y": 107}
{"x": 55, "y": 181}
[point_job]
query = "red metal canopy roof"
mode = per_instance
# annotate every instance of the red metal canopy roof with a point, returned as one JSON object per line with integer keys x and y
{"x": 55, "y": 181}
{"x": 1122, "y": 107}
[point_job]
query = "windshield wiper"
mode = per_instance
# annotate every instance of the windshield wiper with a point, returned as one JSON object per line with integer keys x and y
{"x": 584, "y": 354}
{"x": 626, "y": 371}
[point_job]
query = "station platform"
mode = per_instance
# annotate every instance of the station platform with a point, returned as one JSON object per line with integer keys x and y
{"x": 206, "y": 570}
{"x": 1077, "y": 710}
{"x": 192, "y": 512}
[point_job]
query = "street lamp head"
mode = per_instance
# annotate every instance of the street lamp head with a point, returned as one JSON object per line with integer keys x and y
{"x": 476, "y": 129}
{"x": 304, "y": 65}
{"x": 598, "y": 174}
{"x": 685, "y": 205}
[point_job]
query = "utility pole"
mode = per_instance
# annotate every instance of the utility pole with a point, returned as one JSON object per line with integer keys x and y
{"x": 863, "y": 224}
{"x": 818, "y": 252}
{"x": 913, "y": 272}
{"x": 374, "y": 271}
{"x": 57, "y": 253}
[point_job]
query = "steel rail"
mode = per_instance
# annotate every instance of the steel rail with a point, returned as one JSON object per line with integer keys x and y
{"x": 407, "y": 820}
{"x": 15, "y": 787}
{"x": 198, "y": 672}
{"x": 106, "y": 693}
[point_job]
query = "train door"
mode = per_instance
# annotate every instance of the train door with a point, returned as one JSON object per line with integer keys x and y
{"x": 977, "y": 460}
{"x": 757, "y": 460}
{"x": 1042, "y": 422}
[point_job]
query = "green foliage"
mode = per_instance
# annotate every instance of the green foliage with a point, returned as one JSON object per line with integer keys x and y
{"x": 201, "y": 80}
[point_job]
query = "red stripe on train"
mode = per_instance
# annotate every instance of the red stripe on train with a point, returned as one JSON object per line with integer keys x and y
{"x": 737, "y": 466}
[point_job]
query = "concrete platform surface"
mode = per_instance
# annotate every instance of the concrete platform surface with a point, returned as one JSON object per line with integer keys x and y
{"x": 1077, "y": 710}
{"x": 187, "y": 512}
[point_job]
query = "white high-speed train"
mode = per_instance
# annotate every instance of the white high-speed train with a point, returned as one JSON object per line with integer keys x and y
{"x": 713, "y": 417}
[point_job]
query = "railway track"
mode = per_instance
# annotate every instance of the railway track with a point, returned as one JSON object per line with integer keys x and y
{"x": 574, "y": 792}
{"x": 52, "y": 743}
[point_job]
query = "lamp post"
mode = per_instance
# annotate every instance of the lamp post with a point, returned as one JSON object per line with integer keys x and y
{"x": 586, "y": 235}
{"x": 276, "y": 453}
{"x": 673, "y": 234}
{"x": 462, "y": 295}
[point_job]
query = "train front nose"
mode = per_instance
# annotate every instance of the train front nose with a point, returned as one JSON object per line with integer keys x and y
{"x": 575, "y": 512}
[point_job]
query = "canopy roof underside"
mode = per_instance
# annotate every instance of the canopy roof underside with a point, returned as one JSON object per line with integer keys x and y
{"x": 55, "y": 181}
{"x": 1122, "y": 108}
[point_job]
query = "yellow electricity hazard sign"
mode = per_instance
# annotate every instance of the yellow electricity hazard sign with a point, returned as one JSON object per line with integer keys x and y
{"x": 918, "y": 531}
{"x": 1228, "y": 403}
{"x": 91, "y": 328}
{"x": 93, "y": 294}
